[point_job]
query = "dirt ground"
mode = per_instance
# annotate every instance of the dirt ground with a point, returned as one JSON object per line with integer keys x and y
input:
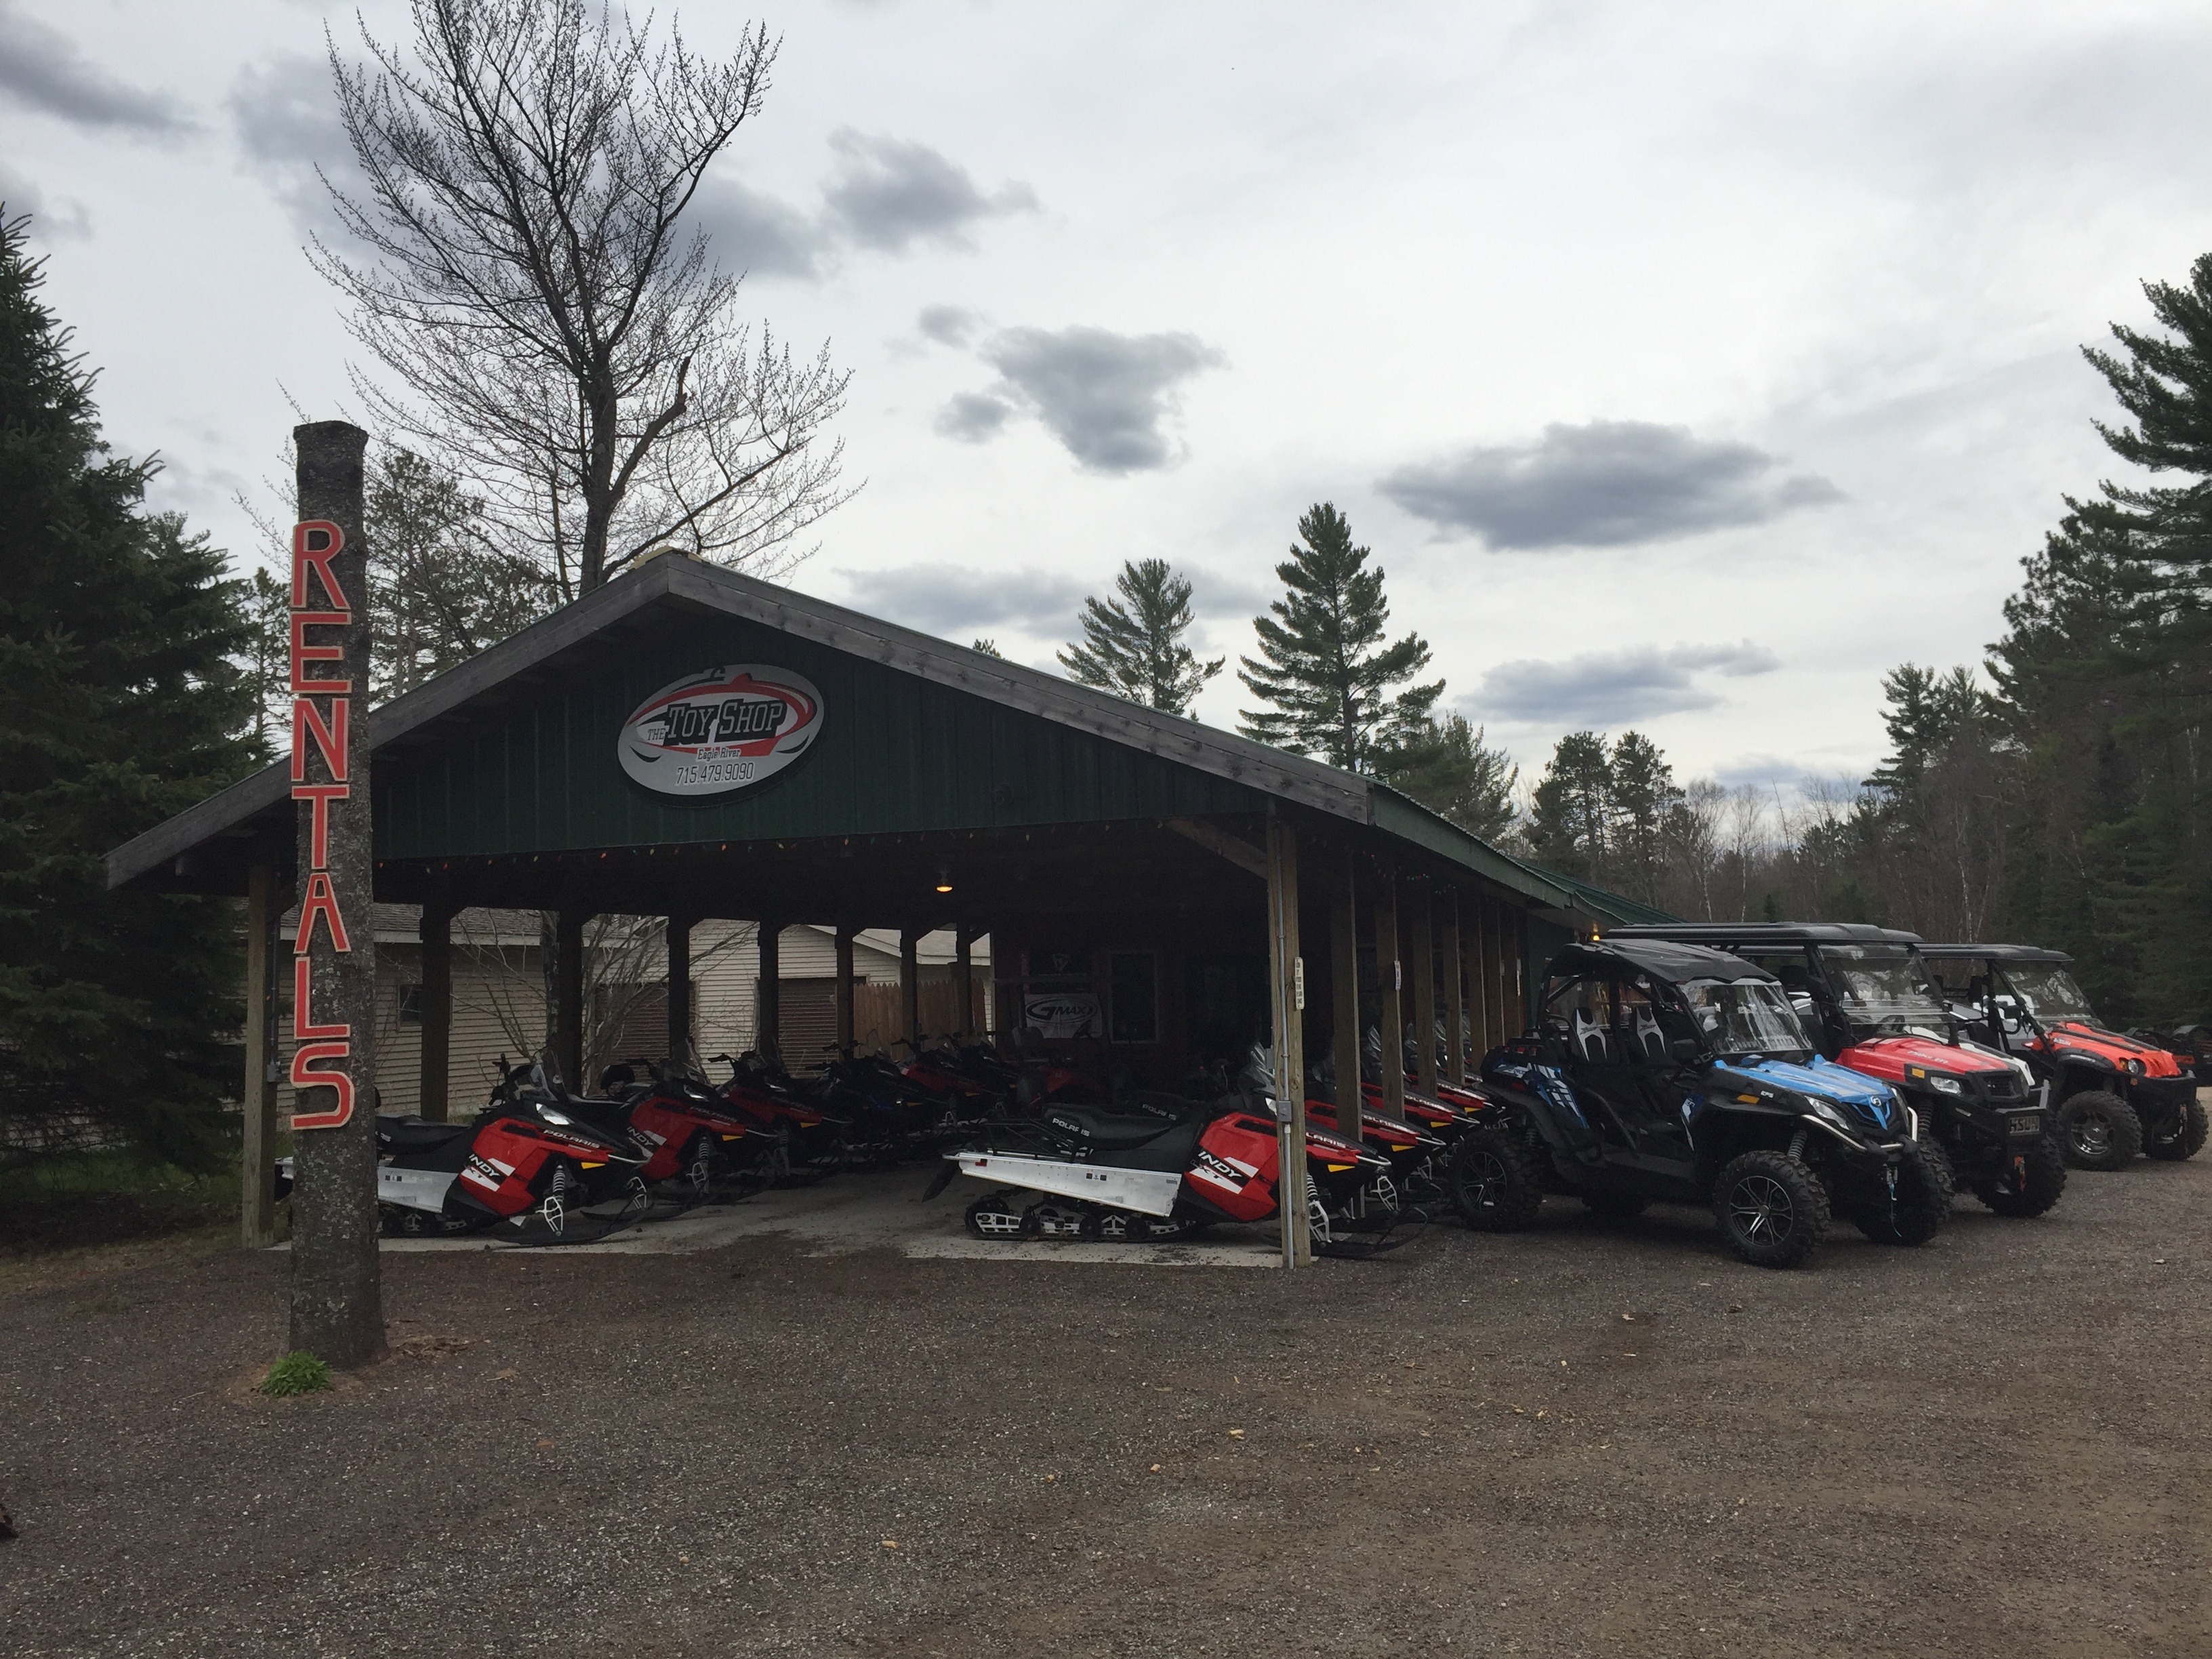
{"x": 1603, "y": 1438}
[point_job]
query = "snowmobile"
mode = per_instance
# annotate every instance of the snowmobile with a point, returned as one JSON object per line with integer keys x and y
{"x": 523, "y": 1159}
{"x": 818, "y": 1144}
{"x": 1078, "y": 1172}
{"x": 690, "y": 1137}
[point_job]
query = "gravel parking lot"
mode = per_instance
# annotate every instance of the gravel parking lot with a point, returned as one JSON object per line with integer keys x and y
{"x": 1601, "y": 1438}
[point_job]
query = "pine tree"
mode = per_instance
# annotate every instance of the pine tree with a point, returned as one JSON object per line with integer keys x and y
{"x": 441, "y": 587}
{"x": 1323, "y": 663}
{"x": 2105, "y": 672}
{"x": 1446, "y": 766}
{"x": 1643, "y": 796}
{"x": 1572, "y": 810}
{"x": 119, "y": 705}
{"x": 1133, "y": 641}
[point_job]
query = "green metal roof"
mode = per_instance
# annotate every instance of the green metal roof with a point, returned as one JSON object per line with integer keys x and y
{"x": 514, "y": 751}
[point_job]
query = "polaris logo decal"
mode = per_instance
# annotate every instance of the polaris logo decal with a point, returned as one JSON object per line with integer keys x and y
{"x": 726, "y": 729}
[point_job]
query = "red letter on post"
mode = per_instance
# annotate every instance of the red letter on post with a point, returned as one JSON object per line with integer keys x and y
{"x": 304, "y": 1077}
{"x": 322, "y": 899}
{"x": 308, "y": 727}
{"x": 315, "y": 542}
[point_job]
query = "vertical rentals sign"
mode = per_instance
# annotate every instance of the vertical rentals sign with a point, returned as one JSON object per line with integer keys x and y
{"x": 323, "y": 781}
{"x": 337, "y": 1306}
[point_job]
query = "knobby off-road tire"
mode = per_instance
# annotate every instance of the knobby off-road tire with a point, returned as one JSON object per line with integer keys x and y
{"x": 2185, "y": 1139}
{"x": 2043, "y": 1178}
{"x": 1495, "y": 1182}
{"x": 1772, "y": 1210}
{"x": 2098, "y": 1130}
{"x": 1619, "y": 1205}
{"x": 1923, "y": 1199}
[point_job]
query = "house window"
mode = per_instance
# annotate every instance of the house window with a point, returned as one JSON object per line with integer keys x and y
{"x": 1133, "y": 980}
{"x": 410, "y": 1005}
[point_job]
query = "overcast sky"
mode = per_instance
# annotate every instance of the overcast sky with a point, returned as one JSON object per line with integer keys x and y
{"x": 1685, "y": 366}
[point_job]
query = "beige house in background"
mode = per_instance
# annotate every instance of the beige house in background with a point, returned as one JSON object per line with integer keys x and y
{"x": 499, "y": 994}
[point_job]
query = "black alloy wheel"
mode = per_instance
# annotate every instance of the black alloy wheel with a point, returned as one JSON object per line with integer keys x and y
{"x": 1916, "y": 1212}
{"x": 2098, "y": 1130}
{"x": 2184, "y": 1137}
{"x": 2031, "y": 1185}
{"x": 1771, "y": 1209}
{"x": 1494, "y": 1182}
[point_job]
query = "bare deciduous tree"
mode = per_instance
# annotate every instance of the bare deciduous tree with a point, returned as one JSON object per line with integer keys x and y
{"x": 563, "y": 341}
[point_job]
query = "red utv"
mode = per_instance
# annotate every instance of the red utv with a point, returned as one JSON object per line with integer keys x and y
{"x": 2114, "y": 1095}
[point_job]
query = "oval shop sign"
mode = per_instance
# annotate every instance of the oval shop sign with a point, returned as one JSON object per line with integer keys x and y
{"x": 726, "y": 729}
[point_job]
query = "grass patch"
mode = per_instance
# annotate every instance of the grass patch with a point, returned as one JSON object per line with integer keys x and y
{"x": 297, "y": 1372}
{"x": 105, "y": 1198}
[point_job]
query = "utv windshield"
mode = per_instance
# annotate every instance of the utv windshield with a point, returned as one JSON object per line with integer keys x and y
{"x": 1746, "y": 1017}
{"x": 2050, "y": 992}
{"x": 1883, "y": 985}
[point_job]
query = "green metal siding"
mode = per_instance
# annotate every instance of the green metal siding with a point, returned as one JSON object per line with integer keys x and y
{"x": 895, "y": 754}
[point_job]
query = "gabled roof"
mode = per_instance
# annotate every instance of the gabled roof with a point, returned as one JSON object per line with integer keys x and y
{"x": 622, "y": 608}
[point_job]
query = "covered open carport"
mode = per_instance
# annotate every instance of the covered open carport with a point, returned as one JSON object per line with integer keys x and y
{"x": 692, "y": 743}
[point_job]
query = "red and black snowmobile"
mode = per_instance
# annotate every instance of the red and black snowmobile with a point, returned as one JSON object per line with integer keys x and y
{"x": 524, "y": 1160}
{"x": 1081, "y": 1172}
{"x": 690, "y": 1137}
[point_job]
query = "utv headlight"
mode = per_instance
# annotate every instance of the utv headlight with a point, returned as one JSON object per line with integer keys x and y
{"x": 552, "y": 1116}
{"x": 1828, "y": 1112}
{"x": 2135, "y": 1068}
{"x": 1945, "y": 1085}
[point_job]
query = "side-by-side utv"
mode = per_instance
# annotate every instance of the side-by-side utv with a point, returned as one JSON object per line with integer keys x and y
{"x": 1868, "y": 1002}
{"x": 1667, "y": 1072}
{"x": 2111, "y": 1095}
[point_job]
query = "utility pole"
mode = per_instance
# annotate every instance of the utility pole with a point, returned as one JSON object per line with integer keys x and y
{"x": 337, "y": 1308}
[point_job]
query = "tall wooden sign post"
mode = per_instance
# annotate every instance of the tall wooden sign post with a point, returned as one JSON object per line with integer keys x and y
{"x": 337, "y": 1309}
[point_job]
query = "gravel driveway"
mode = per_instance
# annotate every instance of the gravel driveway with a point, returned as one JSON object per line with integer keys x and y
{"x": 1601, "y": 1438}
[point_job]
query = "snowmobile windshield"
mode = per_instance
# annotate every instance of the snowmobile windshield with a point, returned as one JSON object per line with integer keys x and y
{"x": 1746, "y": 1017}
{"x": 1883, "y": 985}
{"x": 2050, "y": 992}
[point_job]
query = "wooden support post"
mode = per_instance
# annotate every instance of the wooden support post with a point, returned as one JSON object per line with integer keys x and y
{"x": 1286, "y": 984}
{"x": 679, "y": 990}
{"x": 1391, "y": 974}
{"x": 768, "y": 1002}
{"x": 1500, "y": 971}
{"x": 569, "y": 998}
{"x": 436, "y": 930}
{"x": 844, "y": 992}
{"x": 1455, "y": 988}
{"x": 910, "y": 985}
{"x": 1478, "y": 979}
{"x": 964, "y": 969}
{"x": 1344, "y": 993}
{"x": 1515, "y": 972}
{"x": 1421, "y": 964}
{"x": 257, "y": 1103}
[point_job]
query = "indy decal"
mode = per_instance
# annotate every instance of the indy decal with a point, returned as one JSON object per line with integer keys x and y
{"x": 715, "y": 733}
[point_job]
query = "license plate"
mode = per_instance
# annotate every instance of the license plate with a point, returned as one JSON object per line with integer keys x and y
{"x": 2026, "y": 1124}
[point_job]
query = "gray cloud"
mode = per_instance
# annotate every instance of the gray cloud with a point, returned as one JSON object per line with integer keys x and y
{"x": 288, "y": 128}
{"x": 971, "y": 417}
{"x": 41, "y": 69}
{"x": 1601, "y": 688}
{"x": 759, "y": 234}
{"x": 953, "y": 325}
{"x": 51, "y": 222}
{"x": 956, "y": 600}
{"x": 1608, "y": 483}
{"x": 1105, "y": 397}
{"x": 888, "y": 193}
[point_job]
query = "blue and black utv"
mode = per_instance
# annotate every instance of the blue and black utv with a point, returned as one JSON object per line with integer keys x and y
{"x": 1661, "y": 1073}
